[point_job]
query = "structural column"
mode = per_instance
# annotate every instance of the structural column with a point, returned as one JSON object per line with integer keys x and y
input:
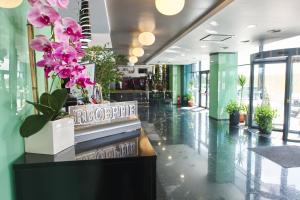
{"x": 223, "y": 83}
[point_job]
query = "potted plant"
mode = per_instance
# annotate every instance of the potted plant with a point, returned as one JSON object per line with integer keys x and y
{"x": 233, "y": 109}
{"x": 49, "y": 131}
{"x": 243, "y": 113}
{"x": 264, "y": 116}
{"x": 242, "y": 82}
{"x": 190, "y": 100}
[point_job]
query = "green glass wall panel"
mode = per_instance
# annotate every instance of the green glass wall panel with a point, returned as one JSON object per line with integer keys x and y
{"x": 186, "y": 78}
{"x": 223, "y": 83}
{"x": 175, "y": 81}
{"x": 15, "y": 88}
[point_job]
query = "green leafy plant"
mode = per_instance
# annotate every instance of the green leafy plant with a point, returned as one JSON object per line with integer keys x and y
{"x": 243, "y": 108}
{"x": 106, "y": 62}
{"x": 264, "y": 116}
{"x": 242, "y": 83}
{"x": 232, "y": 107}
{"x": 50, "y": 109}
{"x": 189, "y": 96}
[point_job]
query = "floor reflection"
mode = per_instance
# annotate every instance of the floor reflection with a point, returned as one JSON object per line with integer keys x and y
{"x": 200, "y": 158}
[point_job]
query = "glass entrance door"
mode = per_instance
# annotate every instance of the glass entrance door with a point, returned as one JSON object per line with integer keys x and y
{"x": 269, "y": 87}
{"x": 294, "y": 117}
{"x": 204, "y": 89}
{"x": 275, "y": 77}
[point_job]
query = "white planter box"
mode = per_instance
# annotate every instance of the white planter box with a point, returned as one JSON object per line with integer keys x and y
{"x": 54, "y": 137}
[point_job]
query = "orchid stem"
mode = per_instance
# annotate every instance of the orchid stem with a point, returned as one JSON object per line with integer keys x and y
{"x": 53, "y": 79}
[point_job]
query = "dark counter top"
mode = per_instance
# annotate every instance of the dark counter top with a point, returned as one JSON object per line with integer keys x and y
{"x": 133, "y": 144}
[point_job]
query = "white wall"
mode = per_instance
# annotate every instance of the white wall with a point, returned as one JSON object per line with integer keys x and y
{"x": 133, "y": 72}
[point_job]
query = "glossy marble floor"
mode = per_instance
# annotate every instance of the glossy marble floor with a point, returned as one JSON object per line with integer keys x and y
{"x": 202, "y": 159}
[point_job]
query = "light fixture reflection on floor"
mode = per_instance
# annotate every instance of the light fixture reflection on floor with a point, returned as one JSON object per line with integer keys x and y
{"x": 138, "y": 51}
{"x": 133, "y": 59}
{"x": 169, "y": 7}
{"x": 10, "y": 3}
{"x": 146, "y": 38}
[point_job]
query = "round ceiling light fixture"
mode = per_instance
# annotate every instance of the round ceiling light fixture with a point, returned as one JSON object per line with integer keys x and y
{"x": 138, "y": 51}
{"x": 133, "y": 59}
{"x": 146, "y": 38}
{"x": 10, "y": 3}
{"x": 169, "y": 7}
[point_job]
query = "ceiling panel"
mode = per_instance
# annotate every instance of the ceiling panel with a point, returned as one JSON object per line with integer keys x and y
{"x": 235, "y": 20}
{"x": 128, "y": 18}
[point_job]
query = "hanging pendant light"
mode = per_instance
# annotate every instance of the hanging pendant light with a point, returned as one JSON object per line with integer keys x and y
{"x": 146, "y": 38}
{"x": 10, "y": 3}
{"x": 133, "y": 59}
{"x": 138, "y": 52}
{"x": 169, "y": 7}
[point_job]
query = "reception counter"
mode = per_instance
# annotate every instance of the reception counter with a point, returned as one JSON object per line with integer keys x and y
{"x": 116, "y": 167}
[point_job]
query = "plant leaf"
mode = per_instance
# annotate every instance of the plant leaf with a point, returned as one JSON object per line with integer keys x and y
{"x": 60, "y": 96}
{"x": 44, "y": 99}
{"x": 33, "y": 124}
{"x": 46, "y": 110}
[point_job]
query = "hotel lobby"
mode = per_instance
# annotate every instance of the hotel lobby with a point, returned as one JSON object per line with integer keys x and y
{"x": 149, "y": 100}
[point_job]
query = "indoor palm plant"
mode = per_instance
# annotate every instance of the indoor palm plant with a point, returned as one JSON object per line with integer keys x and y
{"x": 243, "y": 108}
{"x": 233, "y": 109}
{"x": 48, "y": 131}
{"x": 264, "y": 115}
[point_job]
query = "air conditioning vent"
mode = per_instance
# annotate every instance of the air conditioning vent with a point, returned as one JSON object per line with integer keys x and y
{"x": 216, "y": 37}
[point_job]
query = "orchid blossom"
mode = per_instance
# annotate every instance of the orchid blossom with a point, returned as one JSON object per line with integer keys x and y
{"x": 62, "y": 51}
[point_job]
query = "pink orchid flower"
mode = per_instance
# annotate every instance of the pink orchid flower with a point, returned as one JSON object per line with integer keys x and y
{"x": 84, "y": 81}
{"x": 65, "y": 73}
{"x": 59, "y": 3}
{"x": 71, "y": 82}
{"x": 33, "y": 2}
{"x": 67, "y": 29}
{"x": 42, "y": 15}
{"x": 65, "y": 53}
{"x": 78, "y": 69}
{"x": 41, "y": 43}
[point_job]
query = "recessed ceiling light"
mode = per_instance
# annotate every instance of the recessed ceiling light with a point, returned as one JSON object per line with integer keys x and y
{"x": 175, "y": 47}
{"x": 245, "y": 41}
{"x": 214, "y": 23}
{"x": 170, "y": 51}
{"x": 211, "y": 31}
{"x": 251, "y": 26}
{"x": 203, "y": 46}
{"x": 182, "y": 54}
{"x": 274, "y": 31}
{"x": 224, "y": 47}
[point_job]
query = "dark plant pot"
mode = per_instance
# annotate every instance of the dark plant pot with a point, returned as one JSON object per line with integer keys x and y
{"x": 234, "y": 118}
{"x": 265, "y": 131}
{"x": 264, "y": 140}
